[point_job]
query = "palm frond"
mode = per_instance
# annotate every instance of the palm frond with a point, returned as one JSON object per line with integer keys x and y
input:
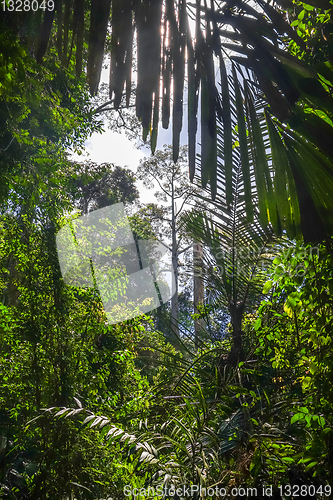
{"x": 99, "y": 17}
{"x": 254, "y": 37}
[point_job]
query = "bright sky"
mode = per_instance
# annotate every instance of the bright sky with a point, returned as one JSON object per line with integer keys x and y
{"x": 111, "y": 147}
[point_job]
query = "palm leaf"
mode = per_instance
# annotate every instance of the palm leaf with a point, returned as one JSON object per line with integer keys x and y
{"x": 280, "y": 163}
{"x": 79, "y": 22}
{"x": 147, "y": 18}
{"x": 121, "y": 50}
{"x": 193, "y": 83}
{"x": 243, "y": 146}
{"x": 259, "y": 159}
{"x": 290, "y": 88}
{"x": 99, "y": 17}
{"x": 313, "y": 183}
{"x": 178, "y": 39}
{"x": 227, "y": 142}
{"x": 66, "y": 32}
{"x": 45, "y": 31}
{"x": 166, "y": 76}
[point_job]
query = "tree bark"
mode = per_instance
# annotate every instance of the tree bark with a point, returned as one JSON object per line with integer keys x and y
{"x": 236, "y": 312}
{"x": 174, "y": 248}
{"x": 198, "y": 290}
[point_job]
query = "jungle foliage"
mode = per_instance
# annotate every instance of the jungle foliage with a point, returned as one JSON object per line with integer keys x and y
{"x": 90, "y": 410}
{"x": 283, "y": 51}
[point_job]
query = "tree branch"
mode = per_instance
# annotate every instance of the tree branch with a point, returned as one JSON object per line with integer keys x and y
{"x": 102, "y": 108}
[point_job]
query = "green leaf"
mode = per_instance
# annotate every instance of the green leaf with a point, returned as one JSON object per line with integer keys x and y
{"x": 267, "y": 286}
{"x": 288, "y": 460}
{"x": 312, "y": 464}
{"x": 297, "y": 417}
{"x": 321, "y": 421}
{"x": 257, "y": 323}
{"x": 304, "y": 460}
{"x": 242, "y": 136}
{"x": 227, "y": 131}
{"x": 259, "y": 159}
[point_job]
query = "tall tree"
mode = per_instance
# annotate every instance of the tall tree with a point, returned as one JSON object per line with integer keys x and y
{"x": 94, "y": 186}
{"x": 198, "y": 290}
{"x": 175, "y": 191}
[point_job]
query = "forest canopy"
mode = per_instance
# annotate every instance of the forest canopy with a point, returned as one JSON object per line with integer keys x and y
{"x": 274, "y": 78}
{"x": 225, "y": 390}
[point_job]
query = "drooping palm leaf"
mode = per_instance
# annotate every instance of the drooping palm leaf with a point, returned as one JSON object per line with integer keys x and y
{"x": 147, "y": 15}
{"x": 193, "y": 88}
{"x": 121, "y": 50}
{"x": 67, "y": 15}
{"x": 235, "y": 247}
{"x": 79, "y": 29}
{"x": 294, "y": 92}
{"x": 45, "y": 31}
{"x": 242, "y": 139}
{"x": 99, "y": 16}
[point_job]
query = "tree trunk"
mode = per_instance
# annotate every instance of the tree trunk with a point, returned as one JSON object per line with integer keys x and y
{"x": 198, "y": 290}
{"x": 11, "y": 292}
{"x": 236, "y": 354}
{"x": 174, "y": 248}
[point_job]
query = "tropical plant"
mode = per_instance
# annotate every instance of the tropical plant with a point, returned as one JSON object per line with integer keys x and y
{"x": 180, "y": 451}
{"x": 293, "y": 327}
{"x": 262, "y": 423}
{"x": 236, "y": 256}
{"x": 262, "y": 416}
{"x": 251, "y": 43}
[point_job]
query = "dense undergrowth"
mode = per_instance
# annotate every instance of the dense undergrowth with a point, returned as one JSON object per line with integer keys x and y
{"x": 123, "y": 409}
